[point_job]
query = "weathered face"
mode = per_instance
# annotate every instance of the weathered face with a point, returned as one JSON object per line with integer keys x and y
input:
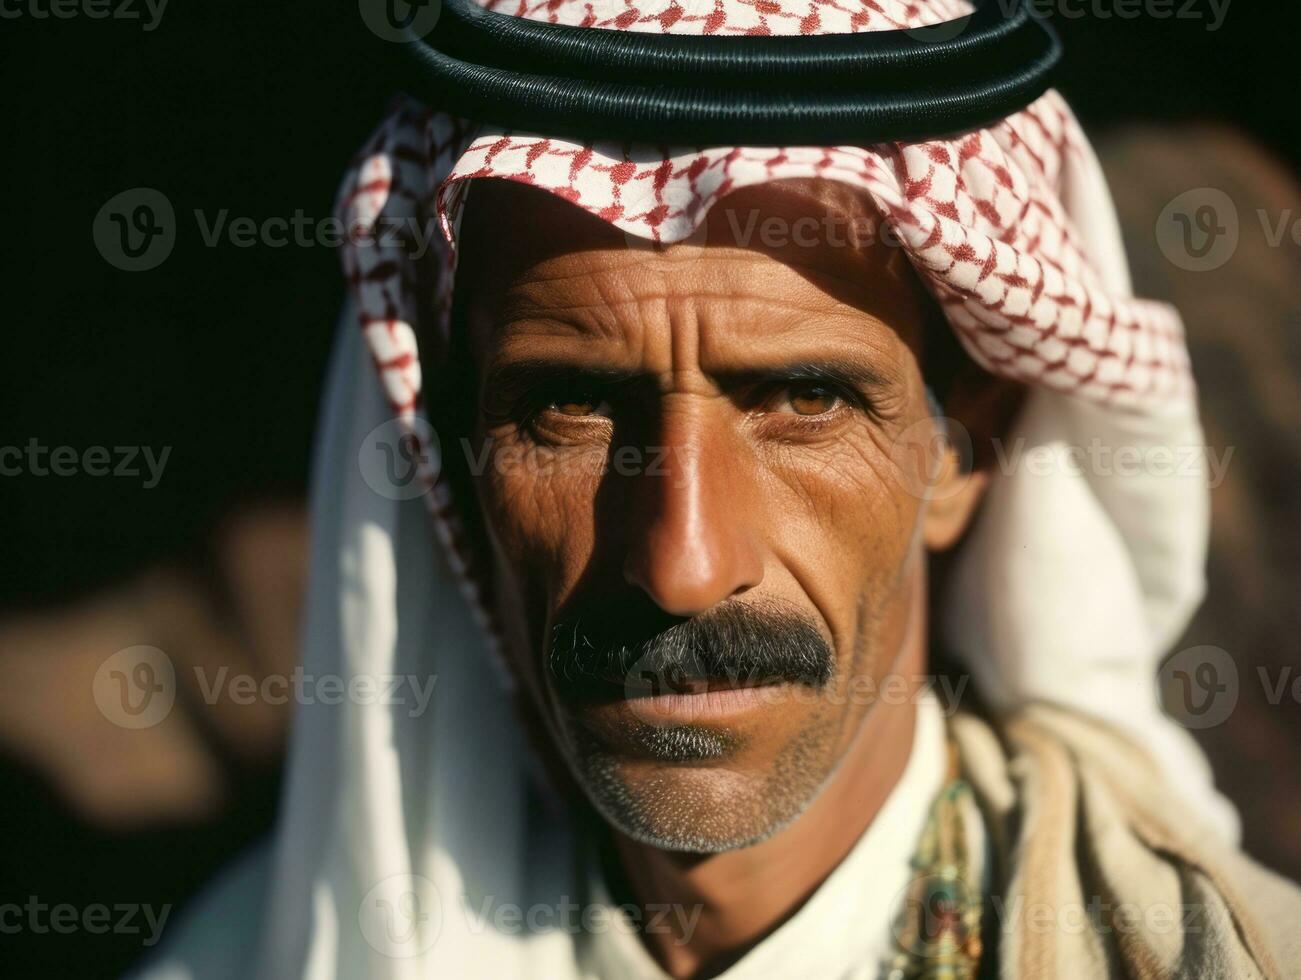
{"x": 702, "y": 473}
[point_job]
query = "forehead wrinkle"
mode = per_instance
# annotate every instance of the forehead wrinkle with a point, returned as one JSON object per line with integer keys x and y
{"x": 574, "y": 235}
{"x": 874, "y": 276}
{"x": 737, "y": 320}
{"x": 542, "y": 294}
{"x": 723, "y": 356}
{"x": 834, "y": 338}
{"x": 725, "y": 296}
{"x": 853, "y": 268}
{"x": 596, "y": 310}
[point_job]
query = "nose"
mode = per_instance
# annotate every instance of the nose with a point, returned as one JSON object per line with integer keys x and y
{"x": 691, "y": 538}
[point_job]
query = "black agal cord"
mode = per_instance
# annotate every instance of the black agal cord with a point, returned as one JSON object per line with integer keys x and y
{"x": 831, "y": 89}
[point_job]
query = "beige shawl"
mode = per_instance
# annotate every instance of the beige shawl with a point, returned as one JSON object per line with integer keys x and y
{"x": 1099, "y": 870}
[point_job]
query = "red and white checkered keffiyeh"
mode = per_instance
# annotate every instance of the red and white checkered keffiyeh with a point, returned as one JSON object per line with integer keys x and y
{"x": 981, "y": 215}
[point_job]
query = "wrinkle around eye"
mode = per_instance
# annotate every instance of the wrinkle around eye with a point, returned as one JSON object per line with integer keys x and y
{"x": 857, "y": 458}
{"x": 557, "y": 429}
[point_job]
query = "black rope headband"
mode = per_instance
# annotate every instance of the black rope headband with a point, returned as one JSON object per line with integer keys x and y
{"x": 833, "y": 89}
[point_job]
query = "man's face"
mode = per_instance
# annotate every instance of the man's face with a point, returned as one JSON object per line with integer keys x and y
{"x": 702, "y": 474}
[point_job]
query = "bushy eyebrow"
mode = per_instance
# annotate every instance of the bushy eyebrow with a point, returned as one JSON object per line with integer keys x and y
{"x": 523, "y": 375}
{"x": 848, "y": 374}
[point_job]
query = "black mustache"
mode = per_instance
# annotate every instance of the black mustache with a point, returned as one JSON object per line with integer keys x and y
{"x": 634, "y": 645}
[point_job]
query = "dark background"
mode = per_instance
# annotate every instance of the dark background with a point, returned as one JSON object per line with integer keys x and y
{"x": 219, "y": 354}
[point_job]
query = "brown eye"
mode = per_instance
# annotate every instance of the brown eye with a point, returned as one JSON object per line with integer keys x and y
{"x": 811, "y": 399}
{"x": 580, "y": 406}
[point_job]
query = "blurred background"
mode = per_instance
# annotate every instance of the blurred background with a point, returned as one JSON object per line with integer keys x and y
{"x": 208, "y": 367}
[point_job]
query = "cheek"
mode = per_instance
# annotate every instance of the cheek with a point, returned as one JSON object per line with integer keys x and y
{"x": 844, "y": 524}
{"x": 539, "y": 505}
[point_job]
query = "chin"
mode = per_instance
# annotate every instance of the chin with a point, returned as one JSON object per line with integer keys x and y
{"x": 706, "y": 804}
{"x": 701, "y": 810}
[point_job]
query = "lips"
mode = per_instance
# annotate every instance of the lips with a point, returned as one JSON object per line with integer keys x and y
{"x": 707, "y": 705}
{"x": 662, "y": 686}
{"x": 661, "y": 702}
{"x": 675, "y": 683}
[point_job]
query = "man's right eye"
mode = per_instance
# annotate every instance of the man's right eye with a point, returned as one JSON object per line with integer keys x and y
{"x": 576, "y": 401}
{"x": 577, "y": 407}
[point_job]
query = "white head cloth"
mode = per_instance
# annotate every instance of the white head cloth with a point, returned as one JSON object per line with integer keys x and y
{"x": 1070, "y": 587}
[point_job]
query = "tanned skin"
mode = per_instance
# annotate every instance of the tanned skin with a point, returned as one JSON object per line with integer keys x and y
{"x": 790, "y": 475}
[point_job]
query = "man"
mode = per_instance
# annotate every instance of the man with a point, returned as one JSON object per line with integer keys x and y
{"x": 695, "y": 425}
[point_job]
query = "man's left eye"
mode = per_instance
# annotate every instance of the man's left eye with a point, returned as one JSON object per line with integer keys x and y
{"x": 806, "y": 398}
